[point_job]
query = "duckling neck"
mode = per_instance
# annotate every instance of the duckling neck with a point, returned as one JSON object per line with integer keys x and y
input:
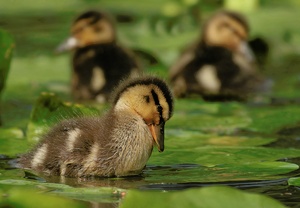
{"x": 133, "y": 142}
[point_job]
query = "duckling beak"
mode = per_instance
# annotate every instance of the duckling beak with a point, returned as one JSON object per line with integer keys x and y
{"x": 68, "y": 44}
{"x": 158, "y": 135}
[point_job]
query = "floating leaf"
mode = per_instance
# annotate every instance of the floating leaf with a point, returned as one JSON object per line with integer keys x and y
{"x": 190, "y": 139}
{"x": 26, "y": 198}
{"x": 216, "y": 164}
{"x": 218, "y": 118}
{"x": 294, "y": 181}
{"x": 269, "y": 119}
{"x": 96, "y": 194}
{"x": 208, "y": 197}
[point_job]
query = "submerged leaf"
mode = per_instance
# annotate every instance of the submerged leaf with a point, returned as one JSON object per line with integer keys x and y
{"x": 208, "y": 197}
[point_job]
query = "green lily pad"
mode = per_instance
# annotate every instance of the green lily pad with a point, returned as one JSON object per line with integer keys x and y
{"x": 48, "y": 110}
{"x": 294, "y": 181}
{"x": 217, "y": 164}
{"x": 212, "y": 155}
{"x": 217, "y": 118}
{"x": 95, "y": 194}
{"x": 23, "y": 198}
{"x": 269, "y": 119}
{"x": 190, "y": 139}
{"x": 226, "y": 118}
{"x": 208, "y": 197}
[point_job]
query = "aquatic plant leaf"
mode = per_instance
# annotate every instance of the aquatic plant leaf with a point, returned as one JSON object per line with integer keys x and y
{"x": 213, "y": 155}
{"x": 217, "y": 164}
{"x": 269, "y": 119}
{"x": 214, "y": 118}
{"x": 192, "y": 138}
{"x": 26, "y": 198}
{"x": 226, "y": 118}
{"x": 96, "y": 194}
{"x": 208, "y": 197}
{"x": 294, "y": 181}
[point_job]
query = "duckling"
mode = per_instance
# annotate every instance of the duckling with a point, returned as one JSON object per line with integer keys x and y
{"x": 99, "y": 62}
{"x": 117, "y": 144}
{"x": 220, "y": 65}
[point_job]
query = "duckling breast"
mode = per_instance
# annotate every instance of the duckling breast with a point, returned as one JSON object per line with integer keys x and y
{"x": 133, "y": 143}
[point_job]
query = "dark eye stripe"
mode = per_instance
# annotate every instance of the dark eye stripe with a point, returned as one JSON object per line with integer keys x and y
{"x": 159, "y": 108}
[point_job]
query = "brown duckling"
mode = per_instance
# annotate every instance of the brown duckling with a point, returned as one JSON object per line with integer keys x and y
{"x": 220, "y": 65}
{"x": 99, "y": 62}
{"x": 117, "y": 144}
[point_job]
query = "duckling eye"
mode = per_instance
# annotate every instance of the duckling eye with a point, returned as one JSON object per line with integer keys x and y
{"x": 159, "y": 108}
{"x": 222, "y": 25}
{"x": 78, "y": 30}
{"x": 147, "y": 98}
{"x": 98, "y": 29}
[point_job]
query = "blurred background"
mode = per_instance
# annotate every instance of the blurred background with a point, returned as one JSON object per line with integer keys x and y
{"x": 157, "y": 29}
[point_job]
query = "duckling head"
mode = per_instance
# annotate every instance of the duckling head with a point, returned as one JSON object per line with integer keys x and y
{"x": 227, "y": 29}
{"x": 149, "y": 98}
{"x": 90, "y": 28}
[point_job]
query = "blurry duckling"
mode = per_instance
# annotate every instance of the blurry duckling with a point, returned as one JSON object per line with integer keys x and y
{"x": 117, "y": 144}
{"x": 99, "y": 62}
{"x": 220, "y": 66}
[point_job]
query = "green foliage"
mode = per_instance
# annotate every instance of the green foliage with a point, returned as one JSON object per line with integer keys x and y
{"x": 208, "y": 197}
